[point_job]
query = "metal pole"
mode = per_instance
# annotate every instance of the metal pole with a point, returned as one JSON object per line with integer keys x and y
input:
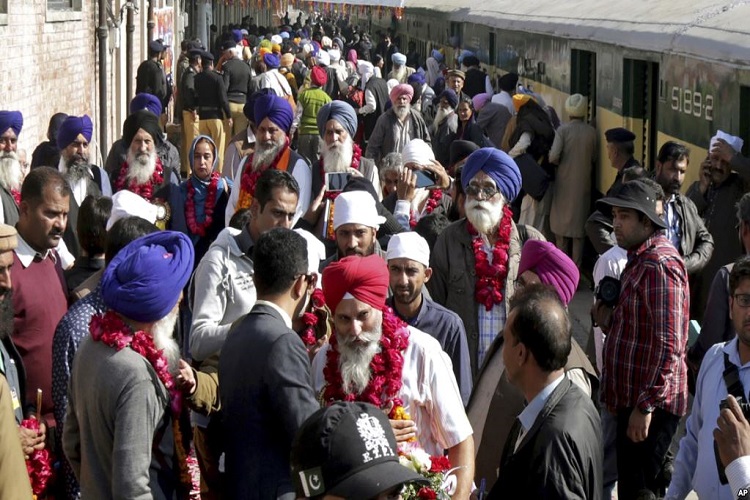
{"x": 150, "y": 23}
{"x": 102, "y": 32}
{"x": 130, "y": 29}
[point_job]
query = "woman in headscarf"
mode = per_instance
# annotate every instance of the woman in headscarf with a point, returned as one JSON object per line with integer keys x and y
{"x": 198, "y": 204}
{"x": 468, "y": 130}
{"x": 352, "y": 62}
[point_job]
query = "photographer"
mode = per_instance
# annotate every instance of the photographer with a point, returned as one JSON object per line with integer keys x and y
{"x": 644, "y": 376}
{"x": 733, "y": 444}
{"x": 722, "y": 373}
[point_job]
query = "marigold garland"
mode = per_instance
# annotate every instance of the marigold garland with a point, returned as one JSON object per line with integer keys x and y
{"x": 436, "y": 196}
{"x": 200, "y": 228}
{"x": 488, "y": 290}
{"x": 385, "y": 369}
{"x": 111, "y": 330}
{"x": 145, "y": 190}
{"x": 250, "y": 176}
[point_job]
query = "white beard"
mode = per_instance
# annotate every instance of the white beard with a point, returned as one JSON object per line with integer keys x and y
{"x": 11, "y": 174}
{"x": 141, "y": 167}
{"x": 484, "y": 215}
{"x": 338, "y": 156}
{"x": 163, "y": 334}
{"x": 354, "y": 360}
{"x": 441, "y": 115}
{"x": 264, "y": 154}
{"x": 402, "y": 112}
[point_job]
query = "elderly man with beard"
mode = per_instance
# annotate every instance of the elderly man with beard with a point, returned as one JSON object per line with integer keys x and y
{"x": 11, "y": 174}
{"x": 142, "y": 172}
{"x": 119, "y": 428}
{"x": 444, "y": 126}
{"x": 397, "y": 126}
{"x": 85, "y": 179}
{"x": 374, "y": 356}
{"x": 337, "y": 125}
{"x": 273, "y": 119}
{"x": 475, "y": 260}
{"x": 400, "y": 71}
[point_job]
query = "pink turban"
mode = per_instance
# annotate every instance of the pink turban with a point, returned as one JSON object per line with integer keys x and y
{"x": 480, "y": 100}
{"x": 553, "y": 267}
{"x": 365, "y": 278}
{"x": 399, "y": 90}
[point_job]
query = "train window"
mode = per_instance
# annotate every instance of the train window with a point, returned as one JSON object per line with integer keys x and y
{"x": 744, "y": 117}
{"x": 493, "y": 49}
{"x": 583, "y": 77}
{"x": 640, "y": 102}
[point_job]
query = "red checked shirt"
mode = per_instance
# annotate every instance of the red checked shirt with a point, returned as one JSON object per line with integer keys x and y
{"x": 644, "y": 352}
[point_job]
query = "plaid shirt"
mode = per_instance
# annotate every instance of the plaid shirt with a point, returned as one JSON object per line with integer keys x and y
{"x": 644, "y": 352}
{"x": 492, "y": 322}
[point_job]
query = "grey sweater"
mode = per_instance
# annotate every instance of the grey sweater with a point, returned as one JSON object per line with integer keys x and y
{"x": 117, "y": 406}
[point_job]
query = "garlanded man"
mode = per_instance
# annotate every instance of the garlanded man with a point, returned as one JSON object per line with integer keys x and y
{"x": 376, "y": 357}
{"x": 273, "y": 119}
{"x": 11, "y": 174}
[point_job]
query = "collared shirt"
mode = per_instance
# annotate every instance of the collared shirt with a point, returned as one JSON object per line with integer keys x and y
{"x": 401, "y": 134}
{"x": 738, "y": 473}
{"x": 674, "y": 230}
{"x": 26, "y": 254}
{"x": 275, "y": 307}
{"x": 491, "y": 322}
{"x": 644, "y": 352}
{"x": 429, "y": 393}
{"x": 448, "y": 329}
{"x": 610, "y": 263}
{"x": 531, "y": 412}
{"x": 695, "y": 465}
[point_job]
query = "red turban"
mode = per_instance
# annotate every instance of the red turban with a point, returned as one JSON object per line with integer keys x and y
{"x": 318, "y": 76}
{"x": 365, "y": 278}
{"x": 399, "y": 90}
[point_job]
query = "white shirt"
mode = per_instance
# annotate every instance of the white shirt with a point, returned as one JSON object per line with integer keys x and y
{"x": 738, "y": 473}
{"x": 283, "y": 313}
{"x": 610, "y": 263}
{"x": 79, "y": 187}
{"x": 232, "y": 158}
{"x": 429, "y": 392}
{"x": 274, "y": 80}
{"x": 506, "y": 100}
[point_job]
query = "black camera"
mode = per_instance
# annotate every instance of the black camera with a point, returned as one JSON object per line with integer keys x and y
{"x": 608, "y": 291}
{"x": 745, "y": 407}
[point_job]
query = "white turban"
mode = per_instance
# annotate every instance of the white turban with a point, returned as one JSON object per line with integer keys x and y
{"x": 417, "y": 151}
{"x": 335, "y": 55}
{"x": 733, "y": 141}
{"x": 324, "y": 58}
{"x": 128, "y": 204}
{"x": 356, "y": 207}
{"x": 277, "y": 39}
{"x": 409, "y": 245}
{"x": 577, "y": 106}
{"x": 316, "y": 252}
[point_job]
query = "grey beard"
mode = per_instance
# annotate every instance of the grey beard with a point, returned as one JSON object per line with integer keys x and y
{"x": 77, "y": 171}
{"x": 338, "y": 158}
{"x": 163, "y": 334}
{"x": 402, "y": 113}
{"x": 264, "y": 155}
{"x": 485, "y": 221}
{"x": 440, "y": 116}
{"x": 10, "y": 171}
{"x": 141, "y": 167}
{"x": 354, "y": 361}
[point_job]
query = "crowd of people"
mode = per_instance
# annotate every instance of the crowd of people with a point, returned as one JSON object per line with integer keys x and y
{"x": 353, "y": 258}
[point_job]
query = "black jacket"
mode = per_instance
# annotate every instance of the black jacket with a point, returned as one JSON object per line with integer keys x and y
{"x": 237, "y": 76}
{"x": 560, "y": 457}
{"x": 152, "y": 80}
{"x": 211, "y": 96}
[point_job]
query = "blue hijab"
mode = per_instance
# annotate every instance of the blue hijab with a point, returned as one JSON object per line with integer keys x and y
{"x": 201, "y": 186}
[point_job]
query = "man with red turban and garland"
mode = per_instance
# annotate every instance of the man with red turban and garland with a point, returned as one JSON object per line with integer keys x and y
{"x": 122, "y": 435}
{"x": 397, "y": 126}
{"x": 375, "y": 357}
{"x": 273, "y": 119}
{"x": 142, "y": 172}
{"x": 475, "y": 260}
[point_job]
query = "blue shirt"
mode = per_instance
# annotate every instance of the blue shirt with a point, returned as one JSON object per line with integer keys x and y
{"x": 529, "y": 414}
{"x": 448, "y": 329}
{"x": 695, "y": 465}
{"x": 70, "y": 332}
{"x": 673, "y": 231}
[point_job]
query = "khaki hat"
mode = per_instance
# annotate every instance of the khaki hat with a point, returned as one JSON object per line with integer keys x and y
{"x": 458, "y": 73}
{"x": 8, "y": 240}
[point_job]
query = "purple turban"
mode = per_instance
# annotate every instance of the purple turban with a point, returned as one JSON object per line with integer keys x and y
{"x": 450, "y": 96}
{"x": 480, "y": 100}
{"x": 276, "y": 109}
{"x": 237, "y": 36}
{"x": 340, "y": 111}
{"x": 416, "y": 78}
{"x": 146, "y": 101}
{"x": 249, "y": 108}
{"x": 500, "y": 167}
{"x": 553, "y": 267}
{"x": 71, "y": 128}
{"x": 11, "y": 120}
{"x": 271, "y": 60}
{"x": 144, "y": 280}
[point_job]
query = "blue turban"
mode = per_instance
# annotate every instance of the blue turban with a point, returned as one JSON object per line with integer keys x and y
{"x": 276, "y": 109}
{"x": 417, "y": 77}
{"x": 284, "y": 35}
{"x": 451, "y": 96}
{"x": 146, "y": 101}
{"x": 144, "y": 280}
{"x": 237, "y": 36}
{"x": 437, "y": 55}
{"x": 71, "y": 128}
{"x": 340, "y": 111}
{"x": 271, "y": 60}
{"x": 11, "y": 120}
{"x": 249, "y": 108}
{"x": 398, "y": 58}
{"x": 500, "y": 167}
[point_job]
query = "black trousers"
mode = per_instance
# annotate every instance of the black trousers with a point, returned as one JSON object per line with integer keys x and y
{"x": 639, "y": 465}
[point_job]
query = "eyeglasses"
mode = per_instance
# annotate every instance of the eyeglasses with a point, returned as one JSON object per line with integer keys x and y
{"x": 742, "y": 299}
{"x": 487, "y": 191}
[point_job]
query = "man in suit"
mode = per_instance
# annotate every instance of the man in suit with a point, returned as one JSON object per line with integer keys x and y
{"x": 554, "y": 449}
{"x": 265, "y": 373}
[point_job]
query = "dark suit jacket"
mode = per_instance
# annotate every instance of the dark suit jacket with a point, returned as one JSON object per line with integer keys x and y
{"x": 265, "y": 396}
{"x": 560, "y": 456}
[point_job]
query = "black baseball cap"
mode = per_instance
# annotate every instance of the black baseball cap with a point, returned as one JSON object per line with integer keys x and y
{"x": 348, "y": 450}
{"x": 157, "y": 46}
{"x": 635, "y": 195}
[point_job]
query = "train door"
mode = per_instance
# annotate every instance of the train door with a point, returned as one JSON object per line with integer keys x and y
{"x": 745, "y": 119}
{"x": 640, "y": 99}
{"x": 583, "y": 78}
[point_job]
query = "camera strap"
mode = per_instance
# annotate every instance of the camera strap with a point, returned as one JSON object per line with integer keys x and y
{"x": 732, "y": 379}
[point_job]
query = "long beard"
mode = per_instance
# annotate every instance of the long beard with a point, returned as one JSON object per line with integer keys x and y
{"x": 76, "y": 169}
{"x": 402, "y": 112}
{"x": 141, "y": 167}
{"x": 11, "y": 173}
{"x": 441, "y": 115}
{"x": 355, "y": 359}
{"x": 484, "y": 215}
{"x": 265, "y": 153}
{"x": 338, "y": 156}
{"x": 163, "y": 334}
{"x": 400, "y": 74}
{"x": 6, "y": 314}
